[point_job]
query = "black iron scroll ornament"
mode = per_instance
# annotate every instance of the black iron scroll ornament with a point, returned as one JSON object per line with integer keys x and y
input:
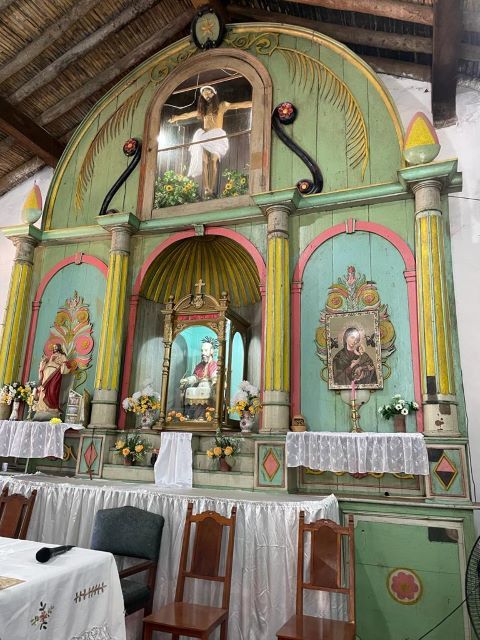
{"x": 285, "y": 113}
{"x": 132, "y": 149}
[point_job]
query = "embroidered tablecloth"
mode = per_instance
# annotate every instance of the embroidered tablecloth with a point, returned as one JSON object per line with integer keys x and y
{"x": 75, "y": 596}
{"x": 26, "y": 439}
{"x": 358, "y": 452}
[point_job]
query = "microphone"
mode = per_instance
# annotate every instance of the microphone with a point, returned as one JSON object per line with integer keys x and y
{"x": 46, "y": 553}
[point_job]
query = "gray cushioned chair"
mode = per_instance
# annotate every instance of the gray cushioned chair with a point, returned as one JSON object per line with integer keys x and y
{"x": 135, "y": 533}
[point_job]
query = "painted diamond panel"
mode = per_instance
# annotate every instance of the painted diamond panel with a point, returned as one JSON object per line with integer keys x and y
{"x": 270, "y": 464}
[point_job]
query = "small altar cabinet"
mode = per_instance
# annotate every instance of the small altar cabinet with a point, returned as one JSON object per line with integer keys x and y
{"x": 205, "y": 346}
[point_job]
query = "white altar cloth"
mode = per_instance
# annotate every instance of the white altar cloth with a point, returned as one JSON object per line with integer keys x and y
{"x": 365, "y": 452}
{"x": 26, "y": 439}
{"x": 265, "y": 553}
{"x": 75, "y": 596}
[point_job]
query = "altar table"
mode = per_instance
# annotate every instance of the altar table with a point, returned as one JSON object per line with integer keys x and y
{"x": 265, "y": 552}
{"x": 29, "y": 439}
{"x": 365, "y": 452}
{"x": 75, "y": 596}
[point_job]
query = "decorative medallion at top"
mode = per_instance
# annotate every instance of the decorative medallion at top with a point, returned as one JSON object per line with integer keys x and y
{"x": 198, "y": 300}
{"x": 208, "y": 29}
{"x": 421, "y": 140}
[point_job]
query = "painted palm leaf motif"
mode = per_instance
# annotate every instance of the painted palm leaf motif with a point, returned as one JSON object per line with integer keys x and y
{"x": 72, "y": 330}
{"x": 353, "y": 293}
{"x": 109, "y": 130}
{"x": 313, "y": 74}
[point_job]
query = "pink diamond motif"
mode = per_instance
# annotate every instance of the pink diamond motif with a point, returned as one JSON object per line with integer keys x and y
{"x": 270, "y": 464}
{"x": 90, "y": 455}
{"x": 445, "y": 471}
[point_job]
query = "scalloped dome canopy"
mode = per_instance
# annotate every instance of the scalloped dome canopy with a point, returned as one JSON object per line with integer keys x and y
{"x": 220, "y": 262}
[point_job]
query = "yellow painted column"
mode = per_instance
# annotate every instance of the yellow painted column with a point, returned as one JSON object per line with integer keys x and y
{"x": 434, "y": 314}
{"x": 276, "y": 392}
{"x": 16, "y": 312}
{"x": 110, "y": 347}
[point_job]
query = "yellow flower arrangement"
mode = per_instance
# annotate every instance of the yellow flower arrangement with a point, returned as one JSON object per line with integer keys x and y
{"x": 55, "y": 421}
{"x": 224, "y": 447}
{"x": 133, "y": 446}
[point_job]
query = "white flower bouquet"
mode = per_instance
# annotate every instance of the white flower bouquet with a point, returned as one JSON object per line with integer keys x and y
{"x": 397, "y": 406}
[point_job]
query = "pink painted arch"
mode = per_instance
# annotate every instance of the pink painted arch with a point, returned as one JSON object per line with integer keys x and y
{"x": 351, "y": 226}
{"x": 132, "y": 317}
{"x": 78, "y": 258}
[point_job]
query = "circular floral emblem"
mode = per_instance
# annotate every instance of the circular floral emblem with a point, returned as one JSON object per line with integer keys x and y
{"x": 62, "y": 318}
{"x": 334, "y": 301}
{"x": 83, "y": 344}
{"x": 286, "y": 112}
{"x": 130, "y": 147}
{"x": 404, "y": 586}
{"x": 370, "y": 297}
{"x": 82, "y": 316}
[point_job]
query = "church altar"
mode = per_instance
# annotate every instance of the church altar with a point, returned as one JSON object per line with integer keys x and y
{"x": 264, "y": 564}
{"x": 28, "y": 439}
{"x": 358, "y": 452}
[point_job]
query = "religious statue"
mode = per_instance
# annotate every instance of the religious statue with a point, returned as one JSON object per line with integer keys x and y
{"x": 352, "y": 363}
{"x": 199, "y": 388}
{"x": 50, "y": 378}
{"x": 210, "y": 142}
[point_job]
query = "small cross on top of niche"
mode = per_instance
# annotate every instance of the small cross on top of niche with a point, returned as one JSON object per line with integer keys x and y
{"x": 198, "y": 287}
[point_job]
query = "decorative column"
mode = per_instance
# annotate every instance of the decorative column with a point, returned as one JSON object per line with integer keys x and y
{"x": 17, "y": 308}
{"x": 434, "y": 319}
{"x": 276, "y": 393}
{"x": 107, "y": 379}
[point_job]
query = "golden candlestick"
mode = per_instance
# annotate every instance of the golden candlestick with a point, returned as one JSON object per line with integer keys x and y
{"x": 355, "y": 415}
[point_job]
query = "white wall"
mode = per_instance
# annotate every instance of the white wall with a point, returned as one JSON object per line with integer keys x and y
{"x": 461, "y": 140}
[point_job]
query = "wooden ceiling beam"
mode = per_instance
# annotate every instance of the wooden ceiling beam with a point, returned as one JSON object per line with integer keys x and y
{"x": 349, "y": 35}
{"x": 19, "y": 174}
{"x": 50, "y": 72}
{"x": 137, "y": 55}
{"x": 52, "y": 33}
{"x": 447, "y": 32}
{"x": 29, "y": 135}
{"x": 399, "y": 68}
{"x": 5, "y": 3}
{"x": 396, "y": 9}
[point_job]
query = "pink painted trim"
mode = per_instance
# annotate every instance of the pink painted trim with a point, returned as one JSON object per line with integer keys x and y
{"x": 132, "y": 320}
{"x": 78, "y": 258}
{"x": 350, "y": 226}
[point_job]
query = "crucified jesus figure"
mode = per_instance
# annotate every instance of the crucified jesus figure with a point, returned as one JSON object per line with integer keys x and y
{"x": 209, "y": 143}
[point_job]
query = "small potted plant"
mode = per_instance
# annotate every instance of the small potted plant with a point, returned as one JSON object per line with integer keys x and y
{"x": 144, "y": 403}
{"x": 399, "y": 408}
{"x": 132, "y": 448}
{"x": 246, "y": 403}
{"x": 224, "y": 451}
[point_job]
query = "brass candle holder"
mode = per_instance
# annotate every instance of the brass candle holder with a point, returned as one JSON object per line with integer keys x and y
{"x": 355, "y": 416}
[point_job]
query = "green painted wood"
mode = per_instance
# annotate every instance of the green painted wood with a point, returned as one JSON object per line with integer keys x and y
{"x": 382, "y": 547}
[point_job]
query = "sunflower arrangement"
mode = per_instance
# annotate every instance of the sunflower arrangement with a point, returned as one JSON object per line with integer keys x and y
{"x": 173, "y": 188}
{"x": 224, "y": 447}
{"x": 133, "y": 447}
{"x": 236, "y": 184}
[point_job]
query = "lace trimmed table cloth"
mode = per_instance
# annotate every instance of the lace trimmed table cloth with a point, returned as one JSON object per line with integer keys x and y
{"x": 358, "y": 452}
{"x": 75, "y": 596}
{"x": 26, "y": 439}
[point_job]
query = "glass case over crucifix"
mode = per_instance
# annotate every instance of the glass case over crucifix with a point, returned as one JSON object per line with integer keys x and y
{"x": 205, "y": 355}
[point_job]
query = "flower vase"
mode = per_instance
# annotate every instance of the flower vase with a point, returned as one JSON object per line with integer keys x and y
{"x": 15, "y": 410}
{"x": 148, "y": 419}
{"x": 223, "y": 465}
{"x": 246, "y": 422}
{"x": 399, "y": 424}
{"x": 5, "y": 411}
{"x": 128, "y": 461}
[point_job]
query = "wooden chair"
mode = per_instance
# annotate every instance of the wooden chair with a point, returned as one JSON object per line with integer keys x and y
{"x": 325, "y": 575}
{"x": 194, "y": 620}
{"x": 15, "y": 513}
{"x": 133, "y": 533}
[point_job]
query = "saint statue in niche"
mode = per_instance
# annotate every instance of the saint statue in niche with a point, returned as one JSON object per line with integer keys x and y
{"x": 210, "y": 142}
{"x": 199, "y": 390}
{"x": 50, "y": 377}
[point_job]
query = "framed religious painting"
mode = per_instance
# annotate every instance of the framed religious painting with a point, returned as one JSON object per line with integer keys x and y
{"x": 354, "y": 350}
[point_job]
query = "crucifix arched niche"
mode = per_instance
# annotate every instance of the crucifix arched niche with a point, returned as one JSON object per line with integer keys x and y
{"x": 208, "y": 133}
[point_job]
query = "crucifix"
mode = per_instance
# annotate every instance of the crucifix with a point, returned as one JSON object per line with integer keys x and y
{"x": 198, "y": 287}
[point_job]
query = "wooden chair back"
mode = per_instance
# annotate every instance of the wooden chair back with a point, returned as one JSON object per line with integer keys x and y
{"x": 15, "y": 514}
{"x": 206, "y": 551}
{"x": 326, "y": 570}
